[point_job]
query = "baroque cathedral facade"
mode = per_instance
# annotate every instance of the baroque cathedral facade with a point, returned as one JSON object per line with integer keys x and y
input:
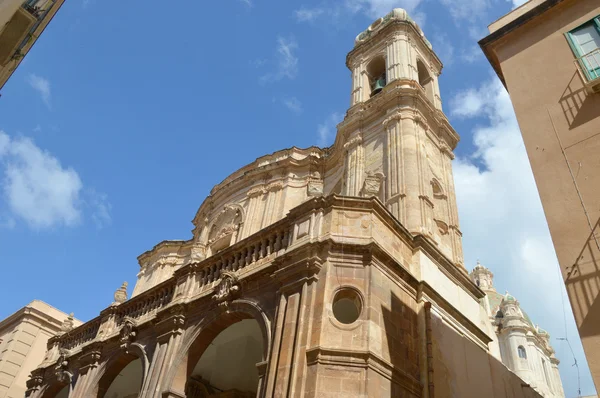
{"x": 318, "y": 272}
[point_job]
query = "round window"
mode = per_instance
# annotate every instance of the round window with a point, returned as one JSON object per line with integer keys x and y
{"x": 346, "y": 306}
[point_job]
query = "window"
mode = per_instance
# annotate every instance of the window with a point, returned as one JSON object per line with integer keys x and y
{"x": 522, "y": 352}
{"x": 585, "y": 42}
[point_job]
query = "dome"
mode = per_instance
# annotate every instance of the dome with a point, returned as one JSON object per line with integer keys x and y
{"x": 509, "y": 298}
{"x": 400, "y": 14}
{"x": 397, "y": 14}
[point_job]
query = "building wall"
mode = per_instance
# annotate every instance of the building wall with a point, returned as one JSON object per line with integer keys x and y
{"x": 16, "y": 46}
{"x": 7, "y": 9}
{"x": 560, "y": 122}
{"x": 24, "y": 339}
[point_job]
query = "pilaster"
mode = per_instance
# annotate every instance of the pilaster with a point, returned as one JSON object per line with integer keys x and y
{"x": 354, "y": 166}
{"x": 169, "y": 329}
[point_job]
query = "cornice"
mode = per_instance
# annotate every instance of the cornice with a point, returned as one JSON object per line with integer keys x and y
{"x": 383, "y": 35}
{"x": 388, "y": 100}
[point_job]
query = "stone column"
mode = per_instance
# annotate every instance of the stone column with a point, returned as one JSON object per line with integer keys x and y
{"x": 398, "y": 58}
{"x": 453, "y": 224}
{"x": 272, "y": 204}
{"x": 354, "y": 168}
{"x": 404, "y": 185}
{"x": 288, "y": 358}
{"x": 357, "y": 94}
{"x": 394, "y": 183}
{"x": 169, "y": 330}
{"x": 255, "y": 211}
{"x": 88, "y": 370}
{"x": 437, "y": 98}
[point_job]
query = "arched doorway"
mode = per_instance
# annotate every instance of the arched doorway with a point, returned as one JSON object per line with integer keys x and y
{"x": 227, "y": 366}
{"x": 122, "y": 379}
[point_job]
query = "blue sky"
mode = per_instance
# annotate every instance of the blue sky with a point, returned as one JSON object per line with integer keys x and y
{"x": 122, "y": 118}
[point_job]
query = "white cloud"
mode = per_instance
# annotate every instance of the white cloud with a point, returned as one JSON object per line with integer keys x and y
{"x": 308, "y": 14}
{"x": 38, "y": 190}
{"x": 466, "y": 9}
{"x": 293, "y": 104}
{"x": 379, "y": 8}
{"x": 247, "y": 2}
{"x": 101, "y": 209}
{"x": 287, "y": 61}
{"x": 443, "y": 48}
{"x": 501, "y": 216}
{"x": 42, "y": 86}
{"x": 518, "y": 3}
{"x": 471, "y": 54}
{"x": 36, "y": 187}
{"x": 370, "y": 8}
{"x": 327, "y": 130}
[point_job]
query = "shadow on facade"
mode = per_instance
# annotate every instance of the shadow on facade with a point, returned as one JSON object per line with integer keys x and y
{"x": 577, "y": 105}
{"x": 400, "y": 331}
{"x": 583, "y": 285}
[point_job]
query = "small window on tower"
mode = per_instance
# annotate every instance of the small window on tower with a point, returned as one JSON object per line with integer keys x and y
{"x": 522, "y": 352}
{"x": 376, "y": 73}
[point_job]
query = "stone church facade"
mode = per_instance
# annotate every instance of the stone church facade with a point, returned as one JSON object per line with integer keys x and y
{"x": 319, "y": 272}
{"x": 522, "y": 346}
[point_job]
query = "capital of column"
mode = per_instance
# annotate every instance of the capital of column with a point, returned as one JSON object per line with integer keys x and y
{"x": 291, "y": 276}
{"x": 90, "y": 357}
{"x": 170, "y": 322}
{"x": 353, "y": 142}
{"x": 256, "y": 191}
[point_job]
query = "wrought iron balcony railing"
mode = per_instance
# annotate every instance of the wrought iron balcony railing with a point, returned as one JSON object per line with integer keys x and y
{"x": 589, "y": 69}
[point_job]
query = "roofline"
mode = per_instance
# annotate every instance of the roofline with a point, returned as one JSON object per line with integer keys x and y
{"x": 487, "y": 42}
{"x": 30, "y": 310}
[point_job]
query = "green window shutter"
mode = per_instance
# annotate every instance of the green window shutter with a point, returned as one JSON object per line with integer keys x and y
{"x": 573, "y": 45}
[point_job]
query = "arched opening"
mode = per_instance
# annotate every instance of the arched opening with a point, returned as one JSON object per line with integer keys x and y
{"x": 522, "y": 352}
{"x": 376, "y": 72}
{"x": 425, "y": 80}
{"x": 227, "y": 366}
{"x": 122, "y": 379}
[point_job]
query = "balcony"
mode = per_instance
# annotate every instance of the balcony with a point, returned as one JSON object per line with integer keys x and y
{"x": 14, "y": 33}
{"x": 588, "y": 66}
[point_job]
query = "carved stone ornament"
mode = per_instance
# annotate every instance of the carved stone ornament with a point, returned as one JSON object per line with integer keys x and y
{"x": 198, "y": 253}
{"x": 315, "y": 188}
{"x": 121, "y": 294}
{"x": 227, "y": 289}
{"x": 353, "y": 142}
{"x": 372, "y": 184}
{"x": 225, "y": 227}
{"x": 128, "y": 332}
{"x": 62, "y": 367}
{"x": 67, "y": 324}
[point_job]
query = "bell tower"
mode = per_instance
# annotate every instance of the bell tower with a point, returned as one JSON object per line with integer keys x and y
{"x": 395, "y": 131}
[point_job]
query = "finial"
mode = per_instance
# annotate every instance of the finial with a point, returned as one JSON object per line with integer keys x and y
{"x": 121, "y": 294}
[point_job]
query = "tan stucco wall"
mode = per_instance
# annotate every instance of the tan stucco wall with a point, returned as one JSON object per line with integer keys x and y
{"x": 7, "y": 9}
{"x": 556, "y": 114}
{"x": 24, "y": 336}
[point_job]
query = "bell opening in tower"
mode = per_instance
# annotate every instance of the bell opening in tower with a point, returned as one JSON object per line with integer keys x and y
{"x": 376, "y": 73}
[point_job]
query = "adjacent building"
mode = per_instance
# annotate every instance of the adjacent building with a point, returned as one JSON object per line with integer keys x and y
{"x": 21, "y": 24}
{"x": 522, "y": 346}
{"x": 23, "y": 339}
{"x": 317, "y": 272}
{"x": 547, "y": 54}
